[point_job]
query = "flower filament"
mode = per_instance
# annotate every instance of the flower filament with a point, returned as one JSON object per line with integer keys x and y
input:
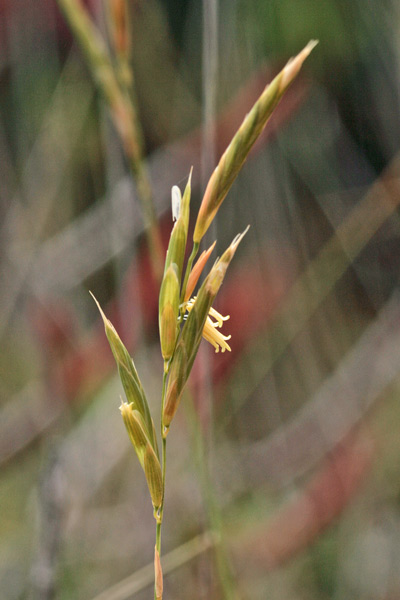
{"x": 211, "y": 331}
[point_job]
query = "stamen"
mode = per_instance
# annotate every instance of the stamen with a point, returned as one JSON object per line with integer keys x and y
{"x": 217, "y": 316}
{"x": 211, "y": 332}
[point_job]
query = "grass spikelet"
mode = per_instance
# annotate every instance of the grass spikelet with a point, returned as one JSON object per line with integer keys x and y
{"x": 236, "y": 153}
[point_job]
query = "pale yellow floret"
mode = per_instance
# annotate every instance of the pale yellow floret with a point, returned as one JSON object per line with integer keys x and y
{"x": 210, "y": 331}
{"x": 217, "y": 316}
{"x": 215, "y": 337}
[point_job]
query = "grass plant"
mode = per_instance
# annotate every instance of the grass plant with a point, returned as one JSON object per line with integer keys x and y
{"x": 184, "y": 320}
{"x": 282, "y": 427}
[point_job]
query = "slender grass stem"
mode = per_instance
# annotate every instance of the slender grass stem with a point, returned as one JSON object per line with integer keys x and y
{"x": 160, "y": 512}
{"x": 121, "y": 101}
{"x": 223, "y": 568}
{"x": 158, "y": 546}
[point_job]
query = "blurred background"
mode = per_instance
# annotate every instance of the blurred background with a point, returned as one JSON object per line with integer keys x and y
{"x": 283, "y": 477}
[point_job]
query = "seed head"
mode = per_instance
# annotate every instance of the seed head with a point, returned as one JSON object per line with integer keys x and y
{"x": 152, "y": 470}
{"x": 168, "y": 311}
{"x": 197, "y": 271}
{"x": 129, "y": 377}
{"x": 198, "y": 323}
{"x": 148, "y": 459}
{"x": 236, "y": 153}
{"x": 176, "y": 382}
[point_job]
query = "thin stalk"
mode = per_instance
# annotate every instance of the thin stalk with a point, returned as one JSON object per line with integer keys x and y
{"x": 158, "y": 546}
{"x": 120, "y": 40}
{"x": 160, "y": 512}
{"x": 122, "y": 108}
{"x": 158, "y": 535}
{"x": 214, "y": 517}
{"x": 173, "y": 560}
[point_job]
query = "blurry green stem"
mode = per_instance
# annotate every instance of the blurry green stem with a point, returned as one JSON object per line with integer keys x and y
{"x": 122, "y": 107}
{"x": 224, "y": 571}
{"x": 120, "y": 41}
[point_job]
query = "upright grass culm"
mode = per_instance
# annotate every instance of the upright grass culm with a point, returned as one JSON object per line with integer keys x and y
{"x": 115, "y": 82}
{"x": 184, "y": 319}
